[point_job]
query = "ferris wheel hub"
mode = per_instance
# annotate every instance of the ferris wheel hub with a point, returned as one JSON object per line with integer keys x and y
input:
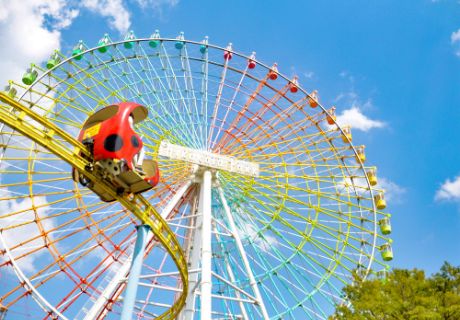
{"x": 208, "y": 159}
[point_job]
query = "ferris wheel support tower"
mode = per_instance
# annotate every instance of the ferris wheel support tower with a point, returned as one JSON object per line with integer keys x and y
{"x": 205, "y": 169}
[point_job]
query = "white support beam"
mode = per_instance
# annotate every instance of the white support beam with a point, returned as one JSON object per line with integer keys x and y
{"x": 242, "y": 251}
{"x": 122, "y": 273}
{"x": 206, "y": 248}
{"x": 193, "y": 252}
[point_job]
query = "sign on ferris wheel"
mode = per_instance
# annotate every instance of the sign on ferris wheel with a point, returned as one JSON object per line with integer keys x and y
{"x": 208, "y": 159}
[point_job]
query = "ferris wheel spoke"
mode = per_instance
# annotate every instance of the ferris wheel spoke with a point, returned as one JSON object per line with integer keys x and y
{"x": 266, "y": 107}
{"x": 255, "y": 121}
{"x": 241, "y": 113}
{"x": 290, "y": 143}
{"x": 215, "y": 109}
{"x": 154, "y": 90}
{"x": 76, "y": 85}
{"x": 325, "y": 249}
{"x": 215, "y": 144}
{"x": 190, "y": 91}
{"x": 175, "y": 88}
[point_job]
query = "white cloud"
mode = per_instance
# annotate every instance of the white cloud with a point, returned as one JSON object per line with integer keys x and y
{"x": 119, "y": 17}
{"x": 449, "y": 190}
{"x": 455, "y": 41}
{"x": 346, "y": 75}
{"x": 31, "y": 29}
{"x": 157, "y": 4}
{"x": 25, "y": 28}
{"x": 357, "y": 120}
{"x": 393, "y": 191}
{"x": 21, "y": 234}
{"x": 309, "y": 74}
{"x": 455, "y": 36}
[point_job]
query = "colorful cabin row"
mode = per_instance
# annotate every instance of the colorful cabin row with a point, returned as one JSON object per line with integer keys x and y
{"x": 361, "y": 156}
{"x": 30, "y": 76}
{"x": 385, "y": 225}
{"x": 346, "y": 134}
{"x": 379, "y": 200}
{"x": 372, "y": 176}
{"x": 313, "y": 99}
{"x": 386, "y": 251}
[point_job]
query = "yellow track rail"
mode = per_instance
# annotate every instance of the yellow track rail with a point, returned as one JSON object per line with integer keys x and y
{"x": 20, "y": 119}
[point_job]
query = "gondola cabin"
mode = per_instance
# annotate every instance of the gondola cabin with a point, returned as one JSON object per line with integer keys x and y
{"x": 117, "y": 151}
{"x": 379, "y": 200}
{"x": 313, "y": 99}
{"x": 346, "y": 135}
{"x": 385, "y": 225}
{"x": 360, "y": 155}
{"x": 331, "y": 117}
{"x": 386, "y": 251}
{"x": 372, "y": 176}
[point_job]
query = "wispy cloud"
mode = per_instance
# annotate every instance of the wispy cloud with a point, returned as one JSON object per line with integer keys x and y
{"x": 353, "y": 113}
{"x": 455, "y": 36}
{"x": 455, "y": 41}
{"x": 357, "y": 120}
{"x": 157, "y": 4}
{"x": 309, "y": 74}
{"x": 449, "y": 190}
{"x": 393, "y": 192}
{"x": 32, "y": 30}
{"x": 118, "y": 15}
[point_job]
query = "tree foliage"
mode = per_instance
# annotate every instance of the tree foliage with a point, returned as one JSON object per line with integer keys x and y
{"x": 404, "y": 294}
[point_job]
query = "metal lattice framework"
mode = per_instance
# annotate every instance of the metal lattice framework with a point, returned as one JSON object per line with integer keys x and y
{"x": 279, "y": 245}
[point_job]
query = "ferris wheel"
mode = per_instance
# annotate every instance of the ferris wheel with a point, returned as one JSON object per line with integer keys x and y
{"x": 264, "y": 210}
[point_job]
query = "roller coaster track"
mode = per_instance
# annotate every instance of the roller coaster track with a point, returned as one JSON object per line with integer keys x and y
{"x": 56, "y": 140}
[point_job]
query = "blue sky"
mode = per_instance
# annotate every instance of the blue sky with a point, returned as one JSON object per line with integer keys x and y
{"x": 391, "y": 67}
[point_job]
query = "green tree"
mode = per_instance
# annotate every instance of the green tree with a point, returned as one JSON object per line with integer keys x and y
{"x": 404, "y": 294}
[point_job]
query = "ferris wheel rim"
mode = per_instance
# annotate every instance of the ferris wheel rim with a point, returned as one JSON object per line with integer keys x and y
{"x": 138, "y": 40}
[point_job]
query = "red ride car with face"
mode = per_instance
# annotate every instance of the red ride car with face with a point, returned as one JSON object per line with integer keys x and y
{"x": 117, "y": 149}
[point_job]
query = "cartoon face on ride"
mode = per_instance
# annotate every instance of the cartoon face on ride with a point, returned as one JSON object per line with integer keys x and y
{"x": 117, "y": 151}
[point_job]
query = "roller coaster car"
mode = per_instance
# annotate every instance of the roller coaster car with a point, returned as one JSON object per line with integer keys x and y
{"x": 117, "y": 151}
